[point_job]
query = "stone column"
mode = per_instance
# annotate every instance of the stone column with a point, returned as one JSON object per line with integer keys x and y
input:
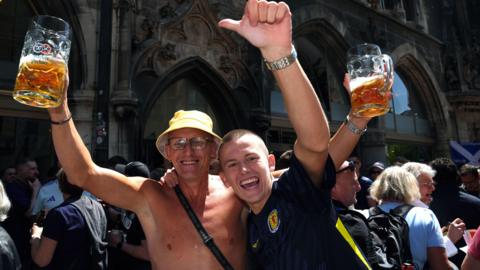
{"x": 82, "y": 100}
{"x": 123, "y": 99}
{"x": 441, "y": 147}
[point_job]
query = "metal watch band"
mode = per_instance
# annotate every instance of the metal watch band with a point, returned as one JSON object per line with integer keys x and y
{"x": 354, "y": 129}
{"x": 282, "y": 62}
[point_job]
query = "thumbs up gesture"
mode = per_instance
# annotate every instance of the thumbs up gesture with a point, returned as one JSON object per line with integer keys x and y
{"x": 266, "y": 25}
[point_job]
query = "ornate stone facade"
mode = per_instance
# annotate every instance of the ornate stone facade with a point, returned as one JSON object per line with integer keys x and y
{"x": 156, "y": 44}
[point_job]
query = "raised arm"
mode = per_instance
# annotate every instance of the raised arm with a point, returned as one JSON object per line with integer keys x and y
{"x": 75, "y": 159}
{"x": 348, "y": 134}
{"x": 268, "y": 26}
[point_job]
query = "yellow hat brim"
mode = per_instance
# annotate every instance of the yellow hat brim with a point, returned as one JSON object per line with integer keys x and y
{"x": 183, "y": 123}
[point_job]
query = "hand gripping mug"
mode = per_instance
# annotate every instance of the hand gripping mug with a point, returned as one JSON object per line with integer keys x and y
{"x": 43, "y": 65}
{"x": 371, "y": 80}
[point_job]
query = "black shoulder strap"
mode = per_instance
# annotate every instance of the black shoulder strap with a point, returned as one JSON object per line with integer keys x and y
{"x": 374, "y": 210}
{"x": 401, "y": 210}
{"x": 206, "y": 238}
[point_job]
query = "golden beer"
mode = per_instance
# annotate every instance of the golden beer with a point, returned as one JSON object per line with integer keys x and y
{"x": 40, "y": 81}
{"x": 42, "y": 72}
{"x": 370, "y": 97}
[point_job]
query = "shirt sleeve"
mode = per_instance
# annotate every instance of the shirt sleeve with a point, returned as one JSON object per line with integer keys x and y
{"x": 434, "y": 232}
{"x": 299, "y": 176}
{"x": 297, "y": 186}
{"x": 450, "y": 247}
{"x": 474, "y": 247}
{"x": 54, "y": 225}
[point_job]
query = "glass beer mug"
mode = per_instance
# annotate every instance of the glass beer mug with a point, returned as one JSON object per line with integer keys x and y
{"x": 43, "y": 65}
{"x": 371, "y": 80}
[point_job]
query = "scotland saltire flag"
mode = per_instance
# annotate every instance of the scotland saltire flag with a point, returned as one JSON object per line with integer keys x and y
{"x": 468, "y": 152}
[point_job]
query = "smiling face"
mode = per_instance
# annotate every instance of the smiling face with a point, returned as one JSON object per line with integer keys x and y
{"x": 426, "y": 186}
{"x": 188, "y": 162}
{"x": 246, "y": 167}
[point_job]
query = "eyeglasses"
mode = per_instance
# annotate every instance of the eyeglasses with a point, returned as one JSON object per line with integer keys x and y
{"x": 375, "y": 172}
{"x": 356, "y": 162}
{"x": 428, "y": 184}
{"x": 350, "y": 167}
{"x": 196, "y": 143}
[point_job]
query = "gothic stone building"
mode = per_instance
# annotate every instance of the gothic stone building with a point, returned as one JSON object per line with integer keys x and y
{"x": 134, "y": 62}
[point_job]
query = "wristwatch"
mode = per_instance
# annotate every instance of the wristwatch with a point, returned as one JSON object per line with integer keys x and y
{"x": 354, "y": 129}
{"x": 282, "y": 62}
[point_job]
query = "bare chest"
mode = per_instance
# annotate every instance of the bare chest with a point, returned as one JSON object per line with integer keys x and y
{"x": 174, "y": 242}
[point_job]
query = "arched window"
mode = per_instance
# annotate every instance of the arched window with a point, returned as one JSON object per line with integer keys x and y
{"x": 15, "y": 18}
{"x": 324, "y": 76}
{"x": 407, "y": 115}
{"x": 23, "y": 131}
{"x": 184, "y": 94}
{"x": 407, "y": 119}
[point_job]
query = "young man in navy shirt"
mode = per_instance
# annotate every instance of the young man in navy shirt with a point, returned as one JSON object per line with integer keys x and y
{"x": 292, "y": 224}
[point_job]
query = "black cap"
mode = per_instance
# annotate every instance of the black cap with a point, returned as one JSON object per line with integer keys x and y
{"x": 137, "y": 168}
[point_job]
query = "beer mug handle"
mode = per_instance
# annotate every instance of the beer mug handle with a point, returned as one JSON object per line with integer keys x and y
{"x": 387, "y": 64}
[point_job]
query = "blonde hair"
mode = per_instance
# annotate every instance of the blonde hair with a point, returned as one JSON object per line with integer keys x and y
{"x": 4, "y": 203}
{"x": 395, "y": 184}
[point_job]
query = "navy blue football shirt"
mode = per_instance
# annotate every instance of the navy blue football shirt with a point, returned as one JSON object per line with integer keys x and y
{"x": 296, "y": 227}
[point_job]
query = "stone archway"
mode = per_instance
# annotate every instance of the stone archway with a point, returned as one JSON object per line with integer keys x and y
{"x": 415, "y": 68}
{"x": 322, "y": 54}
{"x": 205, "y": 90}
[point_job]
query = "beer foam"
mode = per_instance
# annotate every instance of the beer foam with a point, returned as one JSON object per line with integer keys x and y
{"x": 359, "y": 81}
{"x": 36, "y": 58}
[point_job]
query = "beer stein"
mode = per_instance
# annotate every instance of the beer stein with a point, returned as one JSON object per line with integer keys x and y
{"x": 43, "y": 64}
{"x": 371, "y": 80}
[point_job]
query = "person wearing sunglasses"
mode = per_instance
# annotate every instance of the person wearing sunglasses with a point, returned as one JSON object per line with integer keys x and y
{"x": 470, "y": 179}
{"x": 363, "y": 198}
{"x": 344, "y": 197}
{"x": 346, "y": 185}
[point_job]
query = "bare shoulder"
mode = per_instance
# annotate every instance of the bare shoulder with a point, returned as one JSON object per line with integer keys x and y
{"x": 218, "y": 189}
{"x": 155, "y": 188}
{"x": 156, "y": 194}
{"x": 217, "y": 186}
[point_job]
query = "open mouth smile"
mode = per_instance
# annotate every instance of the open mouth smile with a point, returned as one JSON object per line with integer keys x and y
{"x": 249, "y": 183}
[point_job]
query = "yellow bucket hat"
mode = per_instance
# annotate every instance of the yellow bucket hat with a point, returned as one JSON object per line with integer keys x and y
{"x": 187, "y": 119}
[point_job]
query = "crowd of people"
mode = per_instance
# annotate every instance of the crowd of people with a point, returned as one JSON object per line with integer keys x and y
{"x": 314, "y": 213}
